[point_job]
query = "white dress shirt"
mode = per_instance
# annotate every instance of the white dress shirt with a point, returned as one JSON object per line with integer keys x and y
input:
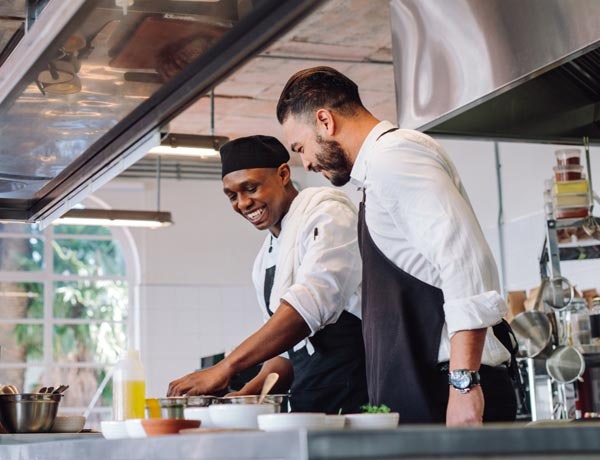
{"x": 419, "y": 216}
{"x": 327, "y": 267}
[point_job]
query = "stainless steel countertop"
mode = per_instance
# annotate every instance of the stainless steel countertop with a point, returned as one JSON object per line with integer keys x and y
{"x": 564, "y": 441}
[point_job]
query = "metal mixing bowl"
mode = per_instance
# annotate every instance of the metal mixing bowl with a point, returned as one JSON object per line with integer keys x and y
{"x": 280, "y": 400}
{"x": 200, "y": 400}
{"x": 29, "y": 412}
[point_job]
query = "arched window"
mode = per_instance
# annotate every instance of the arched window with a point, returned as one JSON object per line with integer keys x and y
{"x": 67, "y": 309}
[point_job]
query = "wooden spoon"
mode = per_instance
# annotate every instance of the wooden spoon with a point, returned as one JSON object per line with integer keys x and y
{"x": 269, "y": 382}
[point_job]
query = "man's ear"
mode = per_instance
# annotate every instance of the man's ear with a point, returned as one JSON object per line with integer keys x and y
{"x": 284, "y": 173}
{"x": 326, "y": 121}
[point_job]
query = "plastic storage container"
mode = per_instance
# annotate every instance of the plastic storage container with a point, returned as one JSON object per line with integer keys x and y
{"x": 568, "y": 172}
{"x": 571, "y": 212}
{"x": 129, "y": 387}
{"x": 565, "y": 200}
{"x": 572, "y": 186}
{"x": 579, "y": 322}
{"x": 566, "y": 157}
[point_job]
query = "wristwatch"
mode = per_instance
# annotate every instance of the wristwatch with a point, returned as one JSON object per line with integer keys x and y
{"x": 463, "y": 379}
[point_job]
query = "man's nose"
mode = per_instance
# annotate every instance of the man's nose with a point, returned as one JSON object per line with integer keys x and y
{"x": 306, "y": 164}
{"x": 244, "y": 201}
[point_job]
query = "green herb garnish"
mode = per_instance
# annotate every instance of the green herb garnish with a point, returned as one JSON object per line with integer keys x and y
{"x": 368, "y": 408}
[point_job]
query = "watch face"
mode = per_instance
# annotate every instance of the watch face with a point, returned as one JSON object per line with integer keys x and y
{"x": 461, "y": 380}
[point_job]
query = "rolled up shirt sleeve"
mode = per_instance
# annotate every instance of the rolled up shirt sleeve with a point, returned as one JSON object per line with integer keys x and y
{"x": 440, "y": 224}
{"x": 327, "y": 281}
{"x": 475, "y": 312}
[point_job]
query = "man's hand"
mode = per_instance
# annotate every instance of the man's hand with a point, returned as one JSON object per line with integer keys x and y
{"x": 204, "y": 382}
{"x": 465, "y": 409}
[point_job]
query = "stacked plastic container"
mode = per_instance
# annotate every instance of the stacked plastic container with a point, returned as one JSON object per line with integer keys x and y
{"x": 569, "y": 192}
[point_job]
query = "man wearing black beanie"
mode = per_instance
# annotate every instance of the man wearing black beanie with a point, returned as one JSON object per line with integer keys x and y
{"x": 307, "y": 278}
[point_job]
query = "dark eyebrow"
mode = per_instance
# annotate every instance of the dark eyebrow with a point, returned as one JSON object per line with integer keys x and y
{"x": 242, "y": 185}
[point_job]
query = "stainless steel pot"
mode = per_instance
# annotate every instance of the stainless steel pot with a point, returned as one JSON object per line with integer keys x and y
{"x": 29, "y": 412}
{"x": 533, "y": 329}
{"x": 533, "y": 332}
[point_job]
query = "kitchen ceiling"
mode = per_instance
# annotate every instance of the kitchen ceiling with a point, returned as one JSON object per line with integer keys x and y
{"x": 352, "y": 36}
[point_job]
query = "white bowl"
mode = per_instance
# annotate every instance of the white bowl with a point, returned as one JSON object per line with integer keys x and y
{"x": 292, "y": 421}
{"x": 238, "y": 415}
{"x": 372, "y": 421}
{"x": 134, "y": 428}
{"x": 113, "y": 429}
{"x": 68, "y": 424}
{"x": 199, "y": 413}
{"x": 335, "y": 422}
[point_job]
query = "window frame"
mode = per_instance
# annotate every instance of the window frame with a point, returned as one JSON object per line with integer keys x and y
{"x": 47, "y": 278}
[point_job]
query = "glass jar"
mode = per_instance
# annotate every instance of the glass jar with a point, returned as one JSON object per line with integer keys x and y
{"x": 579, "y": 322}
{"x": 595, "y": 321}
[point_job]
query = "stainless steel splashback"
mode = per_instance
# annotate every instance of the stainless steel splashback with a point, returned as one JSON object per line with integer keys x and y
{"x": 503, "y": 69}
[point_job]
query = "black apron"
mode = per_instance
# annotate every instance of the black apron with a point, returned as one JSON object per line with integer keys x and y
{"x": 403, "y": 319}
{"x": 333, "y": 377}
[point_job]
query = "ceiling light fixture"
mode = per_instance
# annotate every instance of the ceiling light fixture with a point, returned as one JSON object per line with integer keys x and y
{"x": 116, "y": 217}
{"x": 120, "y": 217}
{"x": 189, "y": 145}
{"x": 195, "y": 145}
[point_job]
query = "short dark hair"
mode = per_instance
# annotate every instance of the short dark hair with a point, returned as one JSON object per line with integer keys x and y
{"x": 318, "y": 87}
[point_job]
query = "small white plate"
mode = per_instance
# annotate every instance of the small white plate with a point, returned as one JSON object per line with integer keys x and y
{"x": 292, "y": 421}
{"x": 112, "y": 429}
{"x": 373, "y": 421}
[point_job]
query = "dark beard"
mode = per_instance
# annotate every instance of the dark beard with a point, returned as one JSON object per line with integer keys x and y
{"x": 334, "y": 160}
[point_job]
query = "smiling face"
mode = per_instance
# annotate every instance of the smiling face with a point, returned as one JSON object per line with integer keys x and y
{"x": 261, "y": 195}
{"x": 317, "y": 154}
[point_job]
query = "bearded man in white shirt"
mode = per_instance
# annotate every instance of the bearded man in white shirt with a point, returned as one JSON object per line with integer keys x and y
{"x": 430, "y": 284}
{"x": 307, "y": 279}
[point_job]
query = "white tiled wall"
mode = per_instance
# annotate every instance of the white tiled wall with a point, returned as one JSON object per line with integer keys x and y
{"x": 180, "y": 324}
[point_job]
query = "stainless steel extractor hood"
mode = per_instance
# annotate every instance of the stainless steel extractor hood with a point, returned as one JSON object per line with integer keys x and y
{"x": 85, "y": 88}
{"x": 498, "y": 69}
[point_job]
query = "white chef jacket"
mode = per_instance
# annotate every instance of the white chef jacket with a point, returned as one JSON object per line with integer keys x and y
{"x": 419, "y": 216}
{"x": 327, "y": 279}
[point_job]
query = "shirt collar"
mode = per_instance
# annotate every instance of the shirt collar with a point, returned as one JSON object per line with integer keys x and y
{"x": 359, "y": 169}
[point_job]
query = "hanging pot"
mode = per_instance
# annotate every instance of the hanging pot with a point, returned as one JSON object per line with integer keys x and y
{"x": 533, "y": 329}
{"x": 558, "y": 293}
{"x": 565, "y": 365}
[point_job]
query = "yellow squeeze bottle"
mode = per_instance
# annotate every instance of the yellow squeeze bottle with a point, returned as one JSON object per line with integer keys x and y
{"x": 129, "y": 387}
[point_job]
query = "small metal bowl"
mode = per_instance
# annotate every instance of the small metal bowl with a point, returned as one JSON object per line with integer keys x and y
{"x": 200, "y": 401}
{"x": 172, "y": 407}
{"x": 278, "y": 400}
{"x": 28, "y": 412}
